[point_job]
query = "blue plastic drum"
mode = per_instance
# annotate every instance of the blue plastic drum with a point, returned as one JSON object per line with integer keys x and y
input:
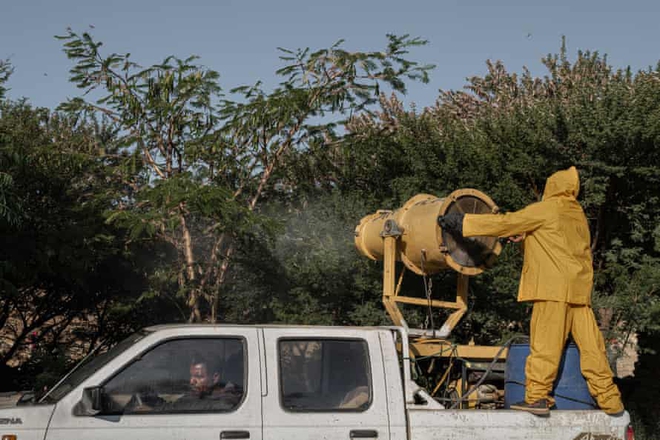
{"x": 570, "y": 390}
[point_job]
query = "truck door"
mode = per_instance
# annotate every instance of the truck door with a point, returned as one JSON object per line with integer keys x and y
{"x": 205, "y": 385}
{"x": 324, "y": 383}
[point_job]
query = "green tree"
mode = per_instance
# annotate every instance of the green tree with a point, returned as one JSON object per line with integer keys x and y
{"x": 66, "y": 277}
{"x": 8, "y": 206}
{"x": 199, "y": 165}
{"x": 5, "y": 72}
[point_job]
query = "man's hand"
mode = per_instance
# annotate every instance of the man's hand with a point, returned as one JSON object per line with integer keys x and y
{"x": 452, "y": 223}
{"x": 516, "y": 238}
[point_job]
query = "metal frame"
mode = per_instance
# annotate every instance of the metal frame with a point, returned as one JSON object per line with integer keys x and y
{"x": 392, "y": 289}
{"x": 425, "y": 346}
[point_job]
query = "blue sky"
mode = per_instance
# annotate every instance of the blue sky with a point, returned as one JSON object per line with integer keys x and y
{"x": 239, "y": 38}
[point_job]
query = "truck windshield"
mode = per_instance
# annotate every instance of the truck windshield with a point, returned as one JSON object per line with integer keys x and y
{"x": 88, "y": 366}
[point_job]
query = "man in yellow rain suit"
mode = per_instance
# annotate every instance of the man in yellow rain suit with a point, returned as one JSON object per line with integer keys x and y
{"x": 557, "y": 276}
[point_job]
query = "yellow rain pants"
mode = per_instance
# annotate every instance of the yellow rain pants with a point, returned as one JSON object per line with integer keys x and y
{"x": 551, "y": 324}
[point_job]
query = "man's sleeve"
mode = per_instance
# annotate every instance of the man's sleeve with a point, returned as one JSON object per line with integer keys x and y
{"x": 526, "y": 220}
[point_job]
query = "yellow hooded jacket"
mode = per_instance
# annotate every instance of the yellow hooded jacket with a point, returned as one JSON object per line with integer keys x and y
{"x": 557, "y": 264}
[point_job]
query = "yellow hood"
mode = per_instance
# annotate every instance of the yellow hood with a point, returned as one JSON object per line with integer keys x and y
{"x": 564, "y": 183}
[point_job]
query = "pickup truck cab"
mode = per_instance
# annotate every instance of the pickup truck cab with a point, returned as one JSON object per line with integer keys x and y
{"x": 270, "y": 382}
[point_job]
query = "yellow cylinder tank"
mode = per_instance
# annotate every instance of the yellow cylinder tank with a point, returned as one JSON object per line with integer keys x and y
{"x": 423, "y": 246}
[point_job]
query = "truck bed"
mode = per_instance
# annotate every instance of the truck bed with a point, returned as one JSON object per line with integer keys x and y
{"x": 430, "y": 424}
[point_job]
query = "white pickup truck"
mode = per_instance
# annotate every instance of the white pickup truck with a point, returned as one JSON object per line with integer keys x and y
{"x": 270, "y": 382}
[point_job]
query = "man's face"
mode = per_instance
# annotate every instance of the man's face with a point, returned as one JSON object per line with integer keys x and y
{"x": 201, "y": 381}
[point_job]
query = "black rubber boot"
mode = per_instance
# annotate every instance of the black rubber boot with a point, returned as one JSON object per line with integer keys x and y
{"x": 538, "y": 408}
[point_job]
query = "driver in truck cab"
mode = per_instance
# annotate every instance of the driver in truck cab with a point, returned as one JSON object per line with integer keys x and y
{"x": 557, "y": 277}
{"x": 206, "y": 390}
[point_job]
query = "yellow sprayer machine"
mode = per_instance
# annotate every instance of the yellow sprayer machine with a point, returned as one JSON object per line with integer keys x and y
{"x": 458, "y": 376}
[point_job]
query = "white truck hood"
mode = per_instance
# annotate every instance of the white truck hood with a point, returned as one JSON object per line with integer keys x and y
{"x": 27, "y": 422}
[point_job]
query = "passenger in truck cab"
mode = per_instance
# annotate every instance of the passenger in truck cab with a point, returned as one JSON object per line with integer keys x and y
{"x": 357, "y": 398}
{"x": 356, "y": 377}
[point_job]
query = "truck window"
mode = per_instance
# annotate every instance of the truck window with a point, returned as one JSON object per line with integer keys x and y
{"x": 324, "y": 375}
{"x": 180, "y": 376}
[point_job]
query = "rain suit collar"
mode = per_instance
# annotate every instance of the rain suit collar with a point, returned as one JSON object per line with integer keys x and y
{"x": 564, "y": 183}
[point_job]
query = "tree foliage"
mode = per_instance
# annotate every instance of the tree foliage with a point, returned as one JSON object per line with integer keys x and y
{"x": 66, "y": 277}
{"x": 5, "y": 72}
{"x": 199, "y": 163}
{"x": 8, "y": 204}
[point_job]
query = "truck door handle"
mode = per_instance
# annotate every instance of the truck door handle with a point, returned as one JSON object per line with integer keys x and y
{"x": 234, "y": 434}
{"x": 364, "y": 433}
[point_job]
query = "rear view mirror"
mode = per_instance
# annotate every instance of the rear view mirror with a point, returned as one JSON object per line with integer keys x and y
{"x": 91, "y": 403}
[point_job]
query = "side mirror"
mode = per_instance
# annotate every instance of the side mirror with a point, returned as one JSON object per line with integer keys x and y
{"x": 91, "y": 403}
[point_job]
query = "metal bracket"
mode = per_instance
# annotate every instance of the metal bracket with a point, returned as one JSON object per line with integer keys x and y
{"x": 391, "y": 229}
